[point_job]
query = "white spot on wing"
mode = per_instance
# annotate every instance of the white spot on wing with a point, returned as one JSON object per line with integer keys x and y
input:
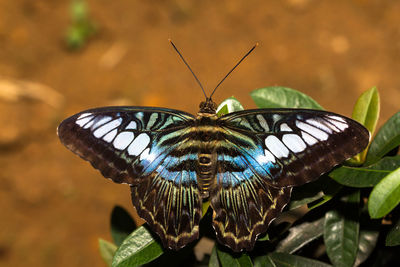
{"x": 83, "y": 115}
{"x": 337, "y": 118}
{"x": 317, "y": 133}
{"x": 132, "y": 125}
{"x": 89, "y": 124}
{"x": 285, "y": 128}
{"x": 102, "y": 130}
{"x": 276, "y": 146}
{"x": 340, "y": 123}
{"x": 84, "y": 120}
{"x": 139, "y": 144}
{"x": 267, "y": 157}
{"x": 262, "y": 122}
{"x": 101, "y": 121}
{"x": 319, "y": 124}
{"x": 110, "y": 136}
{"x": 294, "y": 142}
{"x": 123, "y": 140}
{"x": 147, "y": 155}
{"x": 308, "y": 138}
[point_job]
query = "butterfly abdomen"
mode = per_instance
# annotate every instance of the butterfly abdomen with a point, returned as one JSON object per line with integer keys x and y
{"x": 207, "y": 136}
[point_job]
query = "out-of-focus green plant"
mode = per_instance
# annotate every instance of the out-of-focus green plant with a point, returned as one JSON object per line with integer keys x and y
{"x": 351, "y": 217}
{"x": 82, "y": 27}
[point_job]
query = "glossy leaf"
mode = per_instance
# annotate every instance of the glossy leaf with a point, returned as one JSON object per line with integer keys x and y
{"x": 229, "y": 105}
{"x": 385, "y": 195}
{"x": 282, "y": 97}
{"x": 213, "y": 262}
{"x": 263, "y": 261}
{"x": 288, "y": 260}
{"x": 366, "y": 112}
{"x": 122, "y": 225}
{"x": 301, "y": 235}
{"x": 227, "y": 259}
{"x": 366, "y": 109}
{"x": 341, "y": 231}
{"x": 393, "y": 237}
{"x": 107, "y": 251}
{"x": 365, "y": 176}
{"x": 387, "y": 138}
{"x": 366, "y": 244}
{"x": 137, "y": 249}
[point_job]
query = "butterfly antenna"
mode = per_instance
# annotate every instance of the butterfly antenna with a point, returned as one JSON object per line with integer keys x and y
{"x": 237, "y": 64}
{"x": 187, "y": 65}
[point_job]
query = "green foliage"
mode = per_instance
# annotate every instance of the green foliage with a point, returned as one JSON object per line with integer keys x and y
{"x": 107, "y": 251}
{"x": 387, "y": 138}
{"x": 138, "y": 248}
{"x": 331, "y": 221}
{"x": 366, "y": 112}
{"x": 229, "y": 105}
{"x": 81, "y": 27}
{"x": 282, "y": 97}
{"x": 385, "y": 195}
{"x": 341, "y": 230}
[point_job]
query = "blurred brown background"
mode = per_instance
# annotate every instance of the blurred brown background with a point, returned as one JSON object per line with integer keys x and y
{"x": 53, "y": 205}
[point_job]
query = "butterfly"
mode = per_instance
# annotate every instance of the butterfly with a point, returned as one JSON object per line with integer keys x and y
{"x": 245, "y": 163}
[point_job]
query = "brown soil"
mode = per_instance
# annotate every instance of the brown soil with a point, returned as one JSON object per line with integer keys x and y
{"x": 53, "y": 205}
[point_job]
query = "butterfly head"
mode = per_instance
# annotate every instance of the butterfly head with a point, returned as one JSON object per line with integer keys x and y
{"x": 208, "y": 107}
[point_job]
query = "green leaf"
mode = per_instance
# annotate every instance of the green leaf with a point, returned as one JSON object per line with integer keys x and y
{"x": 107, "y": 251}
{"x": 366, "y": 245}
{"x": 393, "y": 237}
{"x": 122, "y": 224}
{"x": 229, "y": 105}
{"x": 263, "y": 261}
{"x": 288, "y": 260}
{"x": 137, "y": 249}
{"x": 341, "y": 231}
{"x": 366, "y": 112}
{"x": 385, "y": 195}
{"x": 387, "y": 138}
{"x": 315, "y": 193}
{"x": 227, "y": 259}
{"x": 300, "y": 235}
{"x": 365, "y": 176}
{"x": 282, "y": 97}
{"x": 263, "y": 237}
{"x": 213, "y": 262}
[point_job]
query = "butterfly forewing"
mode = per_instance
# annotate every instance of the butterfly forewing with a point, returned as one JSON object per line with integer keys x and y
{"x": 140, "y": 147}
{"x": 290, "y": 147}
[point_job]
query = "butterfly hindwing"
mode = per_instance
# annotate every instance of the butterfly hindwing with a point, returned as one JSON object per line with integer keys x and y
{"x": 142, "y": 147}
{"x": 244, "y": 203}
{"x": 290, "y": 147}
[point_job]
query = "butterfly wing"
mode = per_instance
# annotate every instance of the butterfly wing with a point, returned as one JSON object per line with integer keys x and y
{"x": 265, "y": 152}
{"x": 244, "y": 204}
{"x": 142, "y": 147}
{"x": 290, "y": 147}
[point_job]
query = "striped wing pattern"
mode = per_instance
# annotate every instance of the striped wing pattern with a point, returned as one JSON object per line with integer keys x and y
{"x": 138, "y": 146}
{"x": 266, "y": 152}
{"x": 256, "y": 157}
